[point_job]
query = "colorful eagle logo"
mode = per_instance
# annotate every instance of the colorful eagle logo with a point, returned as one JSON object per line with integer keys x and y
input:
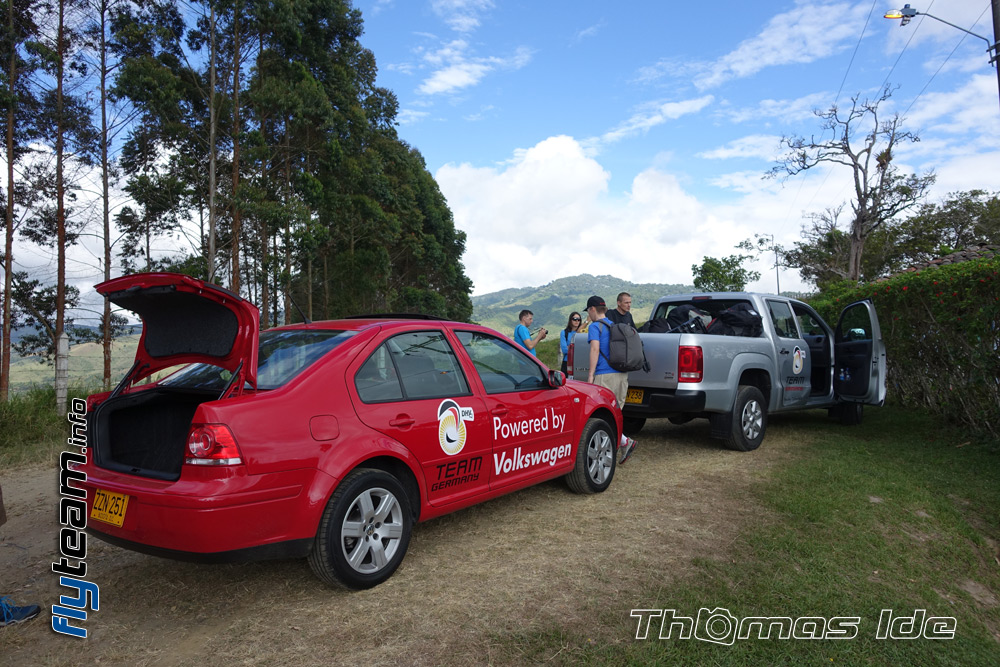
{"x": 451, "y": 427}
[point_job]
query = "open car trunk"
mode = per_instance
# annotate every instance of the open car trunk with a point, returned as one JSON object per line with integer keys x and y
{"x": 145, "y": 433}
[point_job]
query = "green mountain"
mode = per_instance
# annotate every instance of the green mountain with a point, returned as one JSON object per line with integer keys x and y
{"x": 552, "y": 303}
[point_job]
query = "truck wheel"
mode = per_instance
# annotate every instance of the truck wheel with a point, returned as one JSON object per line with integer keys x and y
{"x": 632, "y": 425}
{"x": 749, "y": 420}
{"x": 596, "y": 459}
{"x": 364, "y": 532}
{"x": 848, "y": 414}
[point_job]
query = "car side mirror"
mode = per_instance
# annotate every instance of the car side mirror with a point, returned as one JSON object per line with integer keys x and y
{"x": 556, "y": 378}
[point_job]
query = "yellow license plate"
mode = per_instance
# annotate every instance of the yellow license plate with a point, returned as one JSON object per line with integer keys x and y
{"x": 109, "y": 507}
{"x": 634, "y": 396}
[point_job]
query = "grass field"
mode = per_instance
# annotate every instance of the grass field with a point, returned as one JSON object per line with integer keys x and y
{"x": 899, "y": 514}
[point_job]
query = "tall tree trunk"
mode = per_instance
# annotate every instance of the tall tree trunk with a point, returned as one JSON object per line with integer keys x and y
{"x": 288, "y": 223}
{"x": 234, "y": 283}
{"x": 105, "y": 167}
{"x": 8, "y": 260}
{"x": 60, "y": 191}
{"x": 212, "y": 112}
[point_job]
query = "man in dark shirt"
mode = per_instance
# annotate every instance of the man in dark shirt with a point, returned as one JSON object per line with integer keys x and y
{"x": 623, "y": 312}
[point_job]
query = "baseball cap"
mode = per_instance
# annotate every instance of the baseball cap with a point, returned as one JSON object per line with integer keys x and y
{"x": 595, "y": 301}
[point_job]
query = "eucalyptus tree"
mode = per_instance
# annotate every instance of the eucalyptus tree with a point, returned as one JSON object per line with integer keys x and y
{"x": 20, "y": 110}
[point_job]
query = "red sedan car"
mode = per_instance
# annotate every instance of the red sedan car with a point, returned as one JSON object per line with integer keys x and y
{"x": 328, "y": 439}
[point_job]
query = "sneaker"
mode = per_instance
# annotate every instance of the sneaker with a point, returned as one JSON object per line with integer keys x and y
{"x": 13, "y": 614}
{"x": 627, "y": 449}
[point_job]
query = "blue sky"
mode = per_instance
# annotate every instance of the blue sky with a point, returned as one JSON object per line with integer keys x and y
{"x": 630, "y": 139}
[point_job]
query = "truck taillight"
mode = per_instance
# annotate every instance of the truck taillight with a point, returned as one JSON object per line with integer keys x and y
{"x": 212, "y": 444}
{"x": 569, "y": 361}
{"x": 690, "y": 363}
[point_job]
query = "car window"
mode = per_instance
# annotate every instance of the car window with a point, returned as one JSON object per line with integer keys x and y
{"x": 856, "y": 324}
{"x": 411, "y": 366}
{"x": 502, "y": 367}
{"x": 281, "y": 355}
{"x": 808, "y": 324}
{"x": 784, "y": 322}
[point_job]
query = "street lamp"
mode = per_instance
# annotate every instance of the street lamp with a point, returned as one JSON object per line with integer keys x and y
{"x": 907, "y": 13}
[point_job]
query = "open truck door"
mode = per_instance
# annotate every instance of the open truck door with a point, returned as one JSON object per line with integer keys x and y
{"x": 859, "y": 371}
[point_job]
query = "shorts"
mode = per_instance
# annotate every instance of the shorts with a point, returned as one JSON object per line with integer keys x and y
{"x": 616, "y": 382}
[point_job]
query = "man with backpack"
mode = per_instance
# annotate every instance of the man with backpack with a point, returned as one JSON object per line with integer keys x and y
{"x": 601, "y": 372}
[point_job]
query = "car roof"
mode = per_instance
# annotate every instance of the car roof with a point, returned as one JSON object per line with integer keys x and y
{"x": 362, "y": 322}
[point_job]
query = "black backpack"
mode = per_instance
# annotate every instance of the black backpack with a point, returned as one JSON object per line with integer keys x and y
{"x": 738, "y": 320}
{"x": 624, "y": 349}
{"x": 685, "y": 318}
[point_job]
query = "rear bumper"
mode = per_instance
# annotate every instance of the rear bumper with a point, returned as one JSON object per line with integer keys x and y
{"x": 231, "y": 516}
{"x": 663, "y": 403}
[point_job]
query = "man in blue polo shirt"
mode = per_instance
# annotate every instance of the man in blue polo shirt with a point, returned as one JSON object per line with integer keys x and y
{"x": 522, "y": 332}
{"x": 601, "y": 373}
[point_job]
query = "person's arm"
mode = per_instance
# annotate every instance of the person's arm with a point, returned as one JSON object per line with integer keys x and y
{"x": 530, "y": 343}
{"x": 564, "y": 341}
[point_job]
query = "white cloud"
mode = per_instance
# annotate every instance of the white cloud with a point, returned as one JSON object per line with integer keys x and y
{"x": 589, "y": 32}
{"x": 655, "y": 114}
{"x": 763, "y": 146}
{"x": 461, "y": 15}
{"x": 785, "y": 111}
{"x": 410, "y": 116}
{"x": 458, "y": 70}
{"x": 547, "y": 214}
{"x": 807, "y": 33}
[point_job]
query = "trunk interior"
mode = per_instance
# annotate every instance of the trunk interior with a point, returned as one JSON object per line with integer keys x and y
{"x": 145, "y": 433}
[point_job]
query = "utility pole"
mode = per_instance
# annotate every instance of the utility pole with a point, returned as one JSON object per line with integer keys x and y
{"x": 995, "y": 58}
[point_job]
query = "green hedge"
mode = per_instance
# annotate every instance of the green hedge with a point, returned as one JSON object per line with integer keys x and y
{"x": 942, "y": 334}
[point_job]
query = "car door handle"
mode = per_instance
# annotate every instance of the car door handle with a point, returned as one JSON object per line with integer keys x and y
{"x": 785, "y": 352}
{"x": 499, "y": 411}
{"x": 402, "y": 421}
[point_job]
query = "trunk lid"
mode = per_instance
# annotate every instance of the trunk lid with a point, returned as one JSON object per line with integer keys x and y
{"x": 186, "y": 320}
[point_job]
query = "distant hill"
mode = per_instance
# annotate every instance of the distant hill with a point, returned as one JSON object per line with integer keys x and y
{"x": 552, "y": 303}
{"x": 86, "y": 365}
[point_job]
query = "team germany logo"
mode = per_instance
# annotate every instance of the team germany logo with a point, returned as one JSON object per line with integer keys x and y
{"x": 798, "y": 360}
{"x": 451, "y": 427}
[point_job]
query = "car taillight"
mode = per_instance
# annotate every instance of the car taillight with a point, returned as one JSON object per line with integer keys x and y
{"x": 569, "y": 360}
{"x": 212, "y": 444}
{"x": 690, "y": 363}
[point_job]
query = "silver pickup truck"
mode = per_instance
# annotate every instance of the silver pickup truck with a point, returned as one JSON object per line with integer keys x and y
{"x": 796, "y": 361}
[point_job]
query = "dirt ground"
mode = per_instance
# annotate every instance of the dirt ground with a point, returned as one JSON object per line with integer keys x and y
{"x": 539, "y": 558}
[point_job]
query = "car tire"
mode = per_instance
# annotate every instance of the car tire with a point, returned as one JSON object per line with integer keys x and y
{"x": 596, "y": 459}
{"x": 632, "y": 425}
{"x": 365, "y": 531}
{"x": 748, "y": 421}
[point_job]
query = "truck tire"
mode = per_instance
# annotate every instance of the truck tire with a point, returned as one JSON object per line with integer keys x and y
{"x": 848, "y": 414}
{"x": 748, "y": 421}
{"x": 632, "y": 425}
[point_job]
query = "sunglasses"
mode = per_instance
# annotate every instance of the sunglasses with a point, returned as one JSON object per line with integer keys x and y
{"x": 574, "y": 319}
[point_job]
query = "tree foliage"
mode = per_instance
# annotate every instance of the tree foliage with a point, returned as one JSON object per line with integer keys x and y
{"x": 726, "y": 274}
{"x": 936, "y": 229}
{"x": 865, "y": 143}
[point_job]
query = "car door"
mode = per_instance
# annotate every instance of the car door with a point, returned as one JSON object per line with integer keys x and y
{"x": 859, "y": 374}
{"x": 794, "y": 370}
{"x": 529, "y": 419}
{"x": 412, "y": 388}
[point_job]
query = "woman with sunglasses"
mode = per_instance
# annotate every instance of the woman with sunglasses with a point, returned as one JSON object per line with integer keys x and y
{"x": 566, "y": 337}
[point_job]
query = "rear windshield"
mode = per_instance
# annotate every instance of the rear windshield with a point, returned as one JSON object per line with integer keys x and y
{"x": 281, "y": 355}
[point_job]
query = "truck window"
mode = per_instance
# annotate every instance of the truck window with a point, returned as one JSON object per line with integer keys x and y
{"x": 784, "y": 321}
